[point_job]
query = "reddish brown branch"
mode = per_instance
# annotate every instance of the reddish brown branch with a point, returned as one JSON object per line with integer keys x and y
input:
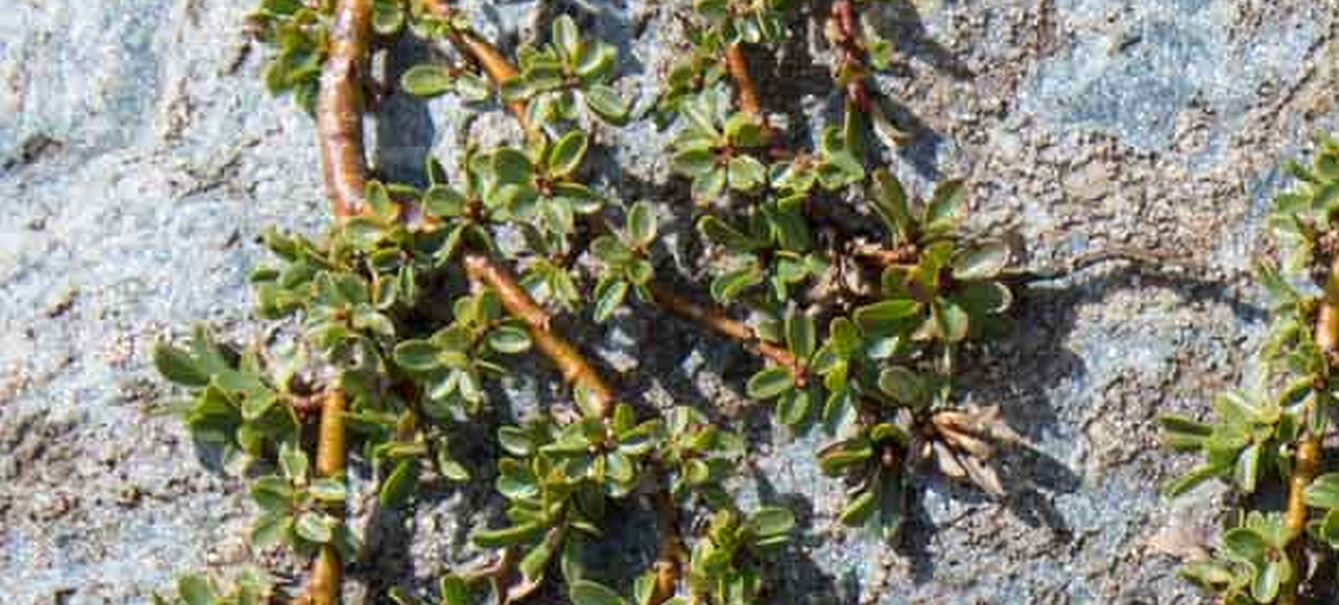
{"x": 571, "y": 363}
{"x": 737, "y": 65}
{"x": 717, "y": 321}
{"x": 1306, "y": 465}
{"x": 488, "y": 57}
{"x": 339, "y": 108}
{"x": 331, "y": 452}
{"x": 850, "y": 42}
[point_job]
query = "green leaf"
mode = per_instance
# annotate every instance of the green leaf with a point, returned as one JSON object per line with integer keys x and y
{"x": 694, "y": 162}
{"x": 1268, "y": 579}
{"x": 771, "y": 521}
{"x": 196, "y": 590}
{"x": 316, "y": 527}
{"x": 272, "y": 494}
{"x": 516, "y": 441}
{"x": 944, "y": 204}
{"x": 1324, "y": 492}
{"x": 902, "y": 385}
{"x": 951, "y": 320}
{"x": 746, "y": 173}
{"x": 1193, "y": 479}
{"x": 443, "y": 202}
{"x": 512, "y": 167}
{"x": 609, "y": 295}
{"x": 1246, "y": 544}
{"x": 400, "y": 484}
{"x": 606, "y": 103}
{"x": 566, "y": 38}
{"x": 770, "y": 382}
{"x": 722, "y": 233}
{"x": 566, "y": 155}
{"x": 327, "y": 489}
{"x": 426, "y": 80}
{"x": 793, "y": 407}
{"x": 1247, "y": 472}
{"x": 509, "y": 536}
{"x": 455, "y": 591}
{"x": 859, "y": 509}
{"x": 642, "y": 224}
{"x": 984, "y": 261}
{"x": 178, "y": 366}
{"x": 270, "y": 529}
{"x": 801, "y": 335}
{"x": 586, "y": 592}
{"x": 293, "y": 461}
{"x": 1183, "y": 434}
{"x": 890, "y": 203}
{"x": 509, "y": 340}
{"x": 379, "y": 200}
{"x": 418, "y": 356}
{"x": 882, "y": 317}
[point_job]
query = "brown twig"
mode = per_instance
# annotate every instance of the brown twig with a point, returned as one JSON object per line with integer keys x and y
{"x": 331, "y": 452}
{"x": 339, "y": 108}
{"x": 1306, "y": 465}
{"x": 571, "y": 363}
{"x": 849, "y": 41}
{"x": 737, "y": 65}
{"x": 722, "y": 324}
{"x": 487, "y": 56}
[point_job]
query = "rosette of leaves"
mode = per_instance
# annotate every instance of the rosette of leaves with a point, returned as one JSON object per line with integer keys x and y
{"x": 295, "y": 508}
{"x": 1252, "y": 565}
{"x": 625, "y": 260}
{"x": 702, "y": 68}
{"x": 699, "y": 455}
{"x": 794, "y": 396}
{"x": 1247, "y": 441}
{"x": 770, "y": 244}
{"x": 1301, "y": 216}
{"x": 539, "y": 189}
{"x": 237, "y": 401}
{"x": 836, "y": 166}
{"x": 568, "y": 72}
{"x": 951, "y": 291}
{"x": 872, "y": 461}
{"x": 558, "y": 479}
{"x": 252, "y": 587}
{"x": 452, "y": 364}
{"x": 750, "y": 21}
{"x": 300, "y": 33}
{"x": 725, "y": 565}
{"x": 715, "y": 144}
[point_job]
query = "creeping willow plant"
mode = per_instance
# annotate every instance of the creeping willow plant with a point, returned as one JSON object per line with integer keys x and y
{"x": 417, "y": 298}
{"x": 1268, "y": 437}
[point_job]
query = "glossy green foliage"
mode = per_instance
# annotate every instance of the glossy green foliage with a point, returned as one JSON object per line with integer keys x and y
{"x": 1252, "y": 565}
{"x": 748, "y": 21}
{"x": 300, "y": 33}
{"x": 237, "y": 400}
{"x": 569, "y": 72}
{"x": 723, "y": 568}
{"x": 1251, "y": 441}
{"x": 252, "y": 587}
{"x": 626, "y": 261}
{"x": 716, "y": 147}
{"x": 294, "y": 507}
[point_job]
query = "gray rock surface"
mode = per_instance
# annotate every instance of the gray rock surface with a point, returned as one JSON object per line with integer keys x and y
{"x": 140, "y": 158}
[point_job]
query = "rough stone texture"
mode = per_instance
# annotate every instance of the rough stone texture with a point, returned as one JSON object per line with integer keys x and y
{"x": 140, "y": 158}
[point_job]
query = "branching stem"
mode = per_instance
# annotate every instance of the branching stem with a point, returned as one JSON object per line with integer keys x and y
{"x": 1306, "y": 465}
{"x": 571, "y": 363}
{"x": 722, "y": 324}
{"x": 737, "y": 65}
{"x": 339, "y": 108}
{"x": 487, "y": 56}
{"x": 331, "y": 452}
